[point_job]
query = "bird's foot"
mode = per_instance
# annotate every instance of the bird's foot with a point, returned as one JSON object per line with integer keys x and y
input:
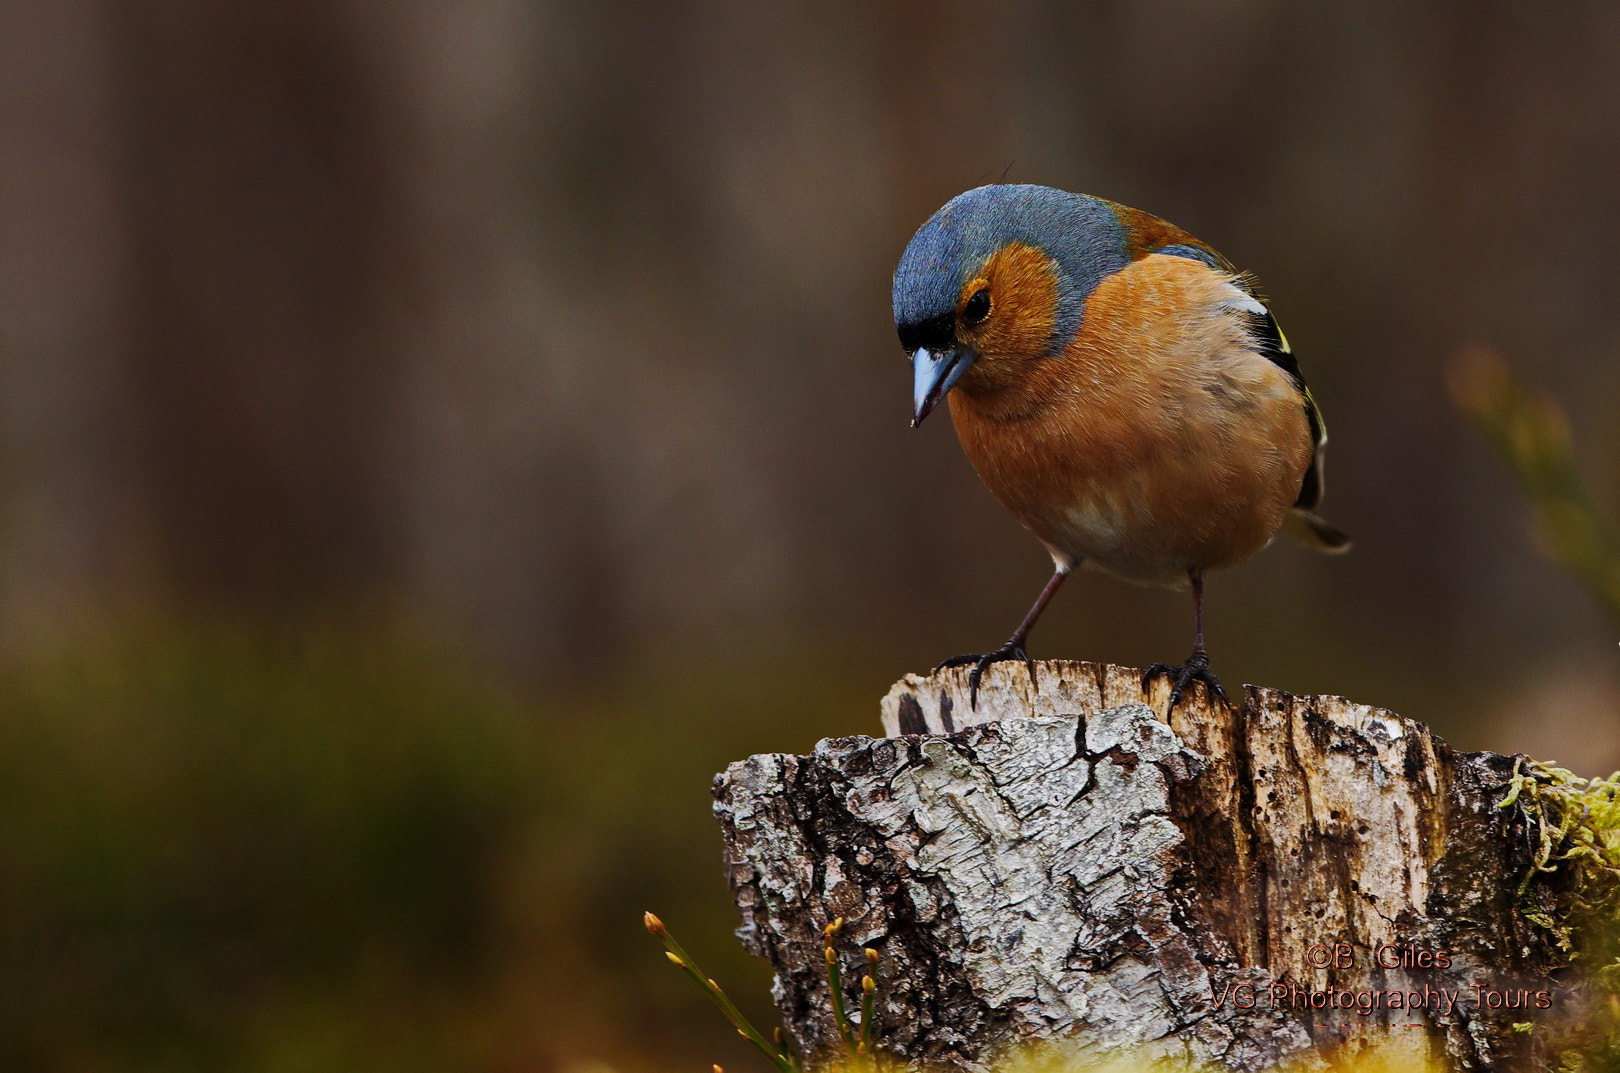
{"x": 1010, "y": 651}
{"x": 1196, "y": 669}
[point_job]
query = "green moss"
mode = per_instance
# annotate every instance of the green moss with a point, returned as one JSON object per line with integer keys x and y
{"x": 1579, "y": 823}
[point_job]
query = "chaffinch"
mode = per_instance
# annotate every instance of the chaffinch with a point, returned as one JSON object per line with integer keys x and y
{"x": 1118, "y": 386}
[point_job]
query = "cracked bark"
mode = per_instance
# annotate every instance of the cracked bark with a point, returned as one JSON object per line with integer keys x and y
{"x": 1063, "y": 864}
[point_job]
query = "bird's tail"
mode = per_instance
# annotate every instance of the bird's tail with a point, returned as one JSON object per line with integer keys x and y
{"x": 1310, "y": 530}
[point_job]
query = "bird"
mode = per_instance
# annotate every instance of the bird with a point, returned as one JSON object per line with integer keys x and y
{"x": 1119, "y": 386}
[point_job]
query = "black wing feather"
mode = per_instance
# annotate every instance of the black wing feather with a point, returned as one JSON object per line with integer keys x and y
{"x": 1276, "y": 350}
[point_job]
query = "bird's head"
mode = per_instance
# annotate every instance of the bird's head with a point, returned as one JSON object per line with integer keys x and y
{"x": 996, "y": 280}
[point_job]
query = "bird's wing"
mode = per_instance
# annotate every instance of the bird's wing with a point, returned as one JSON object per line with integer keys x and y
{"x": 1274, "y": 345}
{"x": 1145, "y": 235}
{"x": 1302, "y": 523}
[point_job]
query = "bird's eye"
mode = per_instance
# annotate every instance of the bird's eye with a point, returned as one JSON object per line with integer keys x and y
{"x": 977, "y": 308}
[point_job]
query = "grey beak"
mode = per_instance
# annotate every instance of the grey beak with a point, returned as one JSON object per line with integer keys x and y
{"x": 933, "y": 375}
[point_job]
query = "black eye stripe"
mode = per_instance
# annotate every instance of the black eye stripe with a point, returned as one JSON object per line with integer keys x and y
{"x": 977, "y": 307}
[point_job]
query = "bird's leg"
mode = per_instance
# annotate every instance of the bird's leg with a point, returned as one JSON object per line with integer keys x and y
{"x": 1014, "y": 648}
{"x": 1196, "y": 669}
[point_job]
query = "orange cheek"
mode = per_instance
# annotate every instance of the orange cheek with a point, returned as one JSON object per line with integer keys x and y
{"x": 1023, "y": 296}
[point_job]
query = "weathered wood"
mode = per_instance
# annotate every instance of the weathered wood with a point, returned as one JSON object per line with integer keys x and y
{"x": 1061, "y": 863}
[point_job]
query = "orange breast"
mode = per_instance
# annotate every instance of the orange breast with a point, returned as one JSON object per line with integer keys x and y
{"x": 1157, "y": 443}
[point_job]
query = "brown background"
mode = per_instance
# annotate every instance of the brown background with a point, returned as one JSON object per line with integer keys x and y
{"x": 561, "y": 333}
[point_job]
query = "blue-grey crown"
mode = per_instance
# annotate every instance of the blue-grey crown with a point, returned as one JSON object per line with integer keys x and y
{"x": 1082, "y": 234}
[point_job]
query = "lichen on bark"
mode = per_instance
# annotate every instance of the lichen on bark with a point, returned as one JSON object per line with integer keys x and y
{"x": 1061, "y": 863}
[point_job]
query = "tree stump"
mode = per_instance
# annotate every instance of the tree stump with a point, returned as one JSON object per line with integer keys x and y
{"x": 1292, "y": 878}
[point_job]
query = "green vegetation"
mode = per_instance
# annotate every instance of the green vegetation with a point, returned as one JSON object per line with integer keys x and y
{"x": 229, "y": 850}
{"x": 1579, "y": 818}
{"x": 1530, "y": 433}
{"x": 859, "y": 1055}
{"x": 1580, "y": 846}
{"x": 343, "y": 847}
{"x": 774, "y": 1051}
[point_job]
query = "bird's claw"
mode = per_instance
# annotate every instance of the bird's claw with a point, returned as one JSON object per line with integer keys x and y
{"x": 1196, "y": 669}
{"x": 1012, "y": 650}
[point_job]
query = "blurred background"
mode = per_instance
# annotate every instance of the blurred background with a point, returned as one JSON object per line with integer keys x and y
{"x": 436, "y": 438}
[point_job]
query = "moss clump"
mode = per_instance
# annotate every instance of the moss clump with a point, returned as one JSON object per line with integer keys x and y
{"x": 1579, "y": 824}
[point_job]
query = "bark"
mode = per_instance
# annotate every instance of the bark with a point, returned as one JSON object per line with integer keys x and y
{"x": 1063, "y": 863}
